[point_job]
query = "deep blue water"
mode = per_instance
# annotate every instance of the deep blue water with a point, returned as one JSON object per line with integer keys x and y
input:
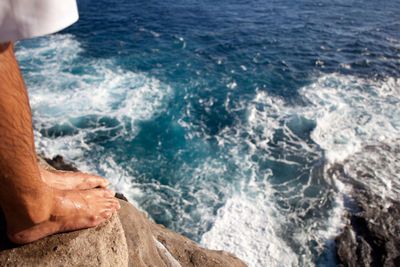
{"x": 220, "y": 118}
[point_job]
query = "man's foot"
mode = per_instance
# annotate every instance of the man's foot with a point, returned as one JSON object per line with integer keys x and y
{"x": 65, "y": 180}
{"x": 71, "y": 210}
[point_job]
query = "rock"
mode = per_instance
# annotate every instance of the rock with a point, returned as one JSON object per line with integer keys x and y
{"x": 128, "y": 239}
{"x": 150, "y": 244}
{"x": 140, "y": 241}
{"x": 372, "y": 235}
{"x": 58, "y": 163}
{"x": 346, "y": 246}
{"x": 103, "y": 245}
{"x": 121, "y": 196}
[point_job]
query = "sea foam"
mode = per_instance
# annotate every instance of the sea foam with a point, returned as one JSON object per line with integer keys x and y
{"x": 349, "y": 113}
{"x": 74, "y": 99}
{"x": 267, "y": 220}
{"x": 277, "y": 202}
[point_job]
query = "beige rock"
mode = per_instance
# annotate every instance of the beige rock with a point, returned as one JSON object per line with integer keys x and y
{"x": 150, "y": 244}
{"x": 103, "y": 245}
{"x": 129, "y": 239}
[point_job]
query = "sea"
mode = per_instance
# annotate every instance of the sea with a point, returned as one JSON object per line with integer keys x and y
{"x": 220, "y": 119}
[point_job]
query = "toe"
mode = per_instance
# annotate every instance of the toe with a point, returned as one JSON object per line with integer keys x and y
{"x": 95, "y": 181}
{"x": 103, "y": 193}
{"x": 103, "y": 183}
{"x": 115, "y": 205}
{"x": 107, "y": 214}
{"x": 109, "y": 193}
{"x": 110, "y": 204}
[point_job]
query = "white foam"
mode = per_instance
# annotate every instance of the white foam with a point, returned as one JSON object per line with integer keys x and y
{"x": 351, "y": 112}
{"x": 232, "y": 85}
{"x": 65, "y": 89}
{"x": 252, "y": 224}
{"x": 377, "y": 166}
{"x": 345, "y": 66}
{"x": 248, "y": 231}
{"x": 254, "y": 230}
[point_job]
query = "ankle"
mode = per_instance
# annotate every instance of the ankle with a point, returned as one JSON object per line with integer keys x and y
{"x": 39, "y": 208}
{"x": 28, "y": 209}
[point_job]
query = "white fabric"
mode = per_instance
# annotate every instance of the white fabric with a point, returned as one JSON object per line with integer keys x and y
{"x": 20, "y": 19}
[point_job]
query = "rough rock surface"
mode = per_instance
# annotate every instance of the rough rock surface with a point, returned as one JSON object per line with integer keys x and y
{"x": 103, "y": 245}
{"x": 372, "y": 235}
{"x": 58, "y": 163}
{"x": 129, "y": 239}
{"x": 150, "y": 244}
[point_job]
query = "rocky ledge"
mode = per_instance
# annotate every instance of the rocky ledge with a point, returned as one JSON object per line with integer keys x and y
{"x": 372, "y": 234}
{"x": 127, "y": 239}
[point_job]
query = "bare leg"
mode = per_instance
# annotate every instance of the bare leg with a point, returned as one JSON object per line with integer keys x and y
{"x": 32, "y": 208}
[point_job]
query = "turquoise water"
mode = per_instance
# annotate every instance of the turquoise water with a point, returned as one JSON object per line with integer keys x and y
{"x": 220, "y": 119}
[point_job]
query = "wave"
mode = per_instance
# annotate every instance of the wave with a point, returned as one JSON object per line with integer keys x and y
{"x": 343, "y": 114}
{"x": 352, "y": 111}
{"x": 353, "y": 114}
{"x": 264, "y": 195}
{"x": 78, "y": 103}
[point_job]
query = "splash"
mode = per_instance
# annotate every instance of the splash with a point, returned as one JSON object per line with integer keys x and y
{"x": 78, "y": 103}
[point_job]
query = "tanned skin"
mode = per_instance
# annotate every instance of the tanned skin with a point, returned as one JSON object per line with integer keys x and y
{"x": 37, "y": 202}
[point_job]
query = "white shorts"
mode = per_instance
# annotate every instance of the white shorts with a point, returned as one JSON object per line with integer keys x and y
{"x": 20, "y": 19}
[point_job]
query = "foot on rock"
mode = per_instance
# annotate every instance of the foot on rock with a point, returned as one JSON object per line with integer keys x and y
{"x": 71, "y": 210}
